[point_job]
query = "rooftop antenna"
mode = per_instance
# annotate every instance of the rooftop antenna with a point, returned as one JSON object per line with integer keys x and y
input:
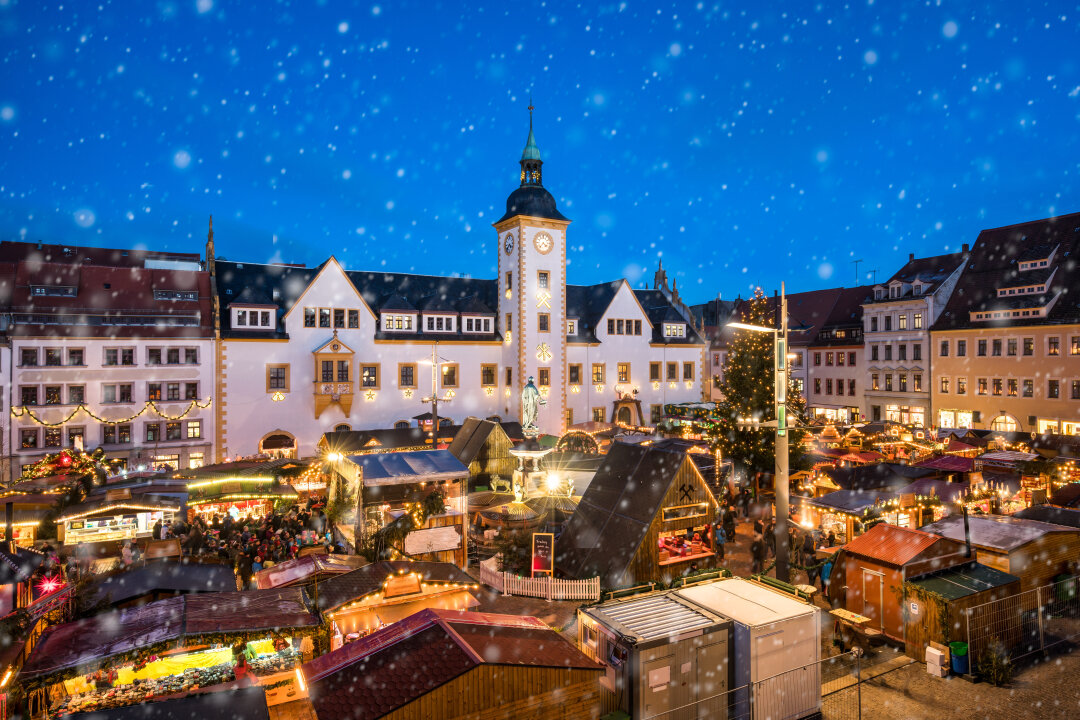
{"x": 875, "y": 276}
{"x": 857, "y": 269}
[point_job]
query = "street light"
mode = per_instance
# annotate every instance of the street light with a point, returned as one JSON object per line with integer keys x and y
{"x": 434, "y": 399}
{"x": 780, "y": 477}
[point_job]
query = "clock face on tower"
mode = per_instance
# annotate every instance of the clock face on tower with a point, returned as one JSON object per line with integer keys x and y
{"x": 508, "y": 244}
{"x": 543, "y": 243}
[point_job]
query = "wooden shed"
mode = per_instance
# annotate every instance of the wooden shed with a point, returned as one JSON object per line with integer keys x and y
{"x": 449, "y": 664}
{"x": 936, "y": 604}
{"x": 1036, "y": 552}
{"x": 484, "y": 447}
{"x": 646, "y": 516}
{"x": 878, "y": 563}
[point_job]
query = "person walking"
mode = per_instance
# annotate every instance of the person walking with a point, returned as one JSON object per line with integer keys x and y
{"x": 721, "y": 540}
{"x": 809, "y": 559}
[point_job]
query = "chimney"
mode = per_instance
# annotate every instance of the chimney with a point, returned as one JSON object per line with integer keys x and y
{"x": 967, "y": 535}
{"x": 965, "y": 248}
{"x": 910, "y": 257}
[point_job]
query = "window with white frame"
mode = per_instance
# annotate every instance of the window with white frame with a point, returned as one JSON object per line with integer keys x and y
{"x": 477, "y": 324}
{"x": 674, "y": 330}
{"x": 397, "y": 323}
{"x": 439, "y": 323}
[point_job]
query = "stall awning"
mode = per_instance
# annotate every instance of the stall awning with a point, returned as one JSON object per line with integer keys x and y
{"x": 410, "y": 467}
{"x": 90, "y": 641}
{"x": 242, "y": 704}
{"x": 852, "y": 502}
{"x": 226, "y": 490}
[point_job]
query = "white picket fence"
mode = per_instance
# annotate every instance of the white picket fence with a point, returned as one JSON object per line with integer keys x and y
{"x": 537, "y": 587}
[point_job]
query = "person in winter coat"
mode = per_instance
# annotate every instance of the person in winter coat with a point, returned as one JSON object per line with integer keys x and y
{"x": 757, "y": 554}
{"x": 721, "y": 540}
{"x": 157, "y": 530}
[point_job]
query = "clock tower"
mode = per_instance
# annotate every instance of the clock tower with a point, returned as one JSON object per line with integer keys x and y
{"x": 532, "y": 293}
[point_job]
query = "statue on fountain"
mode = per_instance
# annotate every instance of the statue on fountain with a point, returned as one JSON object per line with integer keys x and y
{"x": 531, "y": 400}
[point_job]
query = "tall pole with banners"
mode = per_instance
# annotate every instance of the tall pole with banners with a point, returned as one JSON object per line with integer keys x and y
{"x": 781, "y": 486}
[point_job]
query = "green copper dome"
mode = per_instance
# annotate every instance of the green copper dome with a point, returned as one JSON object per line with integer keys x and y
{"x": 531, "y": 152}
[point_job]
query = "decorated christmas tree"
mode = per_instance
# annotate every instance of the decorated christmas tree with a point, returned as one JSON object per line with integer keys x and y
{"x": 747, "y": 386}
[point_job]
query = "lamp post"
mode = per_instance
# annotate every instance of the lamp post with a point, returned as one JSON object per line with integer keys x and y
{"x": 434, "y": 399}
{"x": 780, "y": 478}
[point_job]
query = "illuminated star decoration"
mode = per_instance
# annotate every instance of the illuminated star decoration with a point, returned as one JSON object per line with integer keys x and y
{"x": 408, "y": 393}
{"x": 370, "y": 395}
{"x": 278, "y": 396}
{"x": 49, "y": 584}
{"x": 543, "y": 352}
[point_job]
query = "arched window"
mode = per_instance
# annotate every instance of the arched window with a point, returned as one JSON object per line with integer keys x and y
{"x": 445, "y": 422}
{"x": 343, "y": 427}
{"x": 1005, "y": 423}
{"x": 401, "y": 425}
{"x": 278, "y": 445}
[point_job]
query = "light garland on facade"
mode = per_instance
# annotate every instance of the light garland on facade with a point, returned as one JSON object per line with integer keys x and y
{"x": 20, "y": 411}
{"x": 217, "y": 481}
{"x": 244, "y": 496}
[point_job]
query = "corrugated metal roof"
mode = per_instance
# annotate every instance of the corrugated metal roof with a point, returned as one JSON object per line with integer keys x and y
{"x": 413, "y": 466}
{"x": 652, "y": 616}
{"x": 965, "y": 580}
{"x": 996, "y": 532}
{"x": 891, "y": 544}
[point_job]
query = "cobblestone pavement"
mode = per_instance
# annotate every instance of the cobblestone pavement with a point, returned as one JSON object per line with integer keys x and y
{"x": 1047, "y": 690}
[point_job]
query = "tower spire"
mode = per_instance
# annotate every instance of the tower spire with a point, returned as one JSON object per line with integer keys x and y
{"x": 530, "y": 156}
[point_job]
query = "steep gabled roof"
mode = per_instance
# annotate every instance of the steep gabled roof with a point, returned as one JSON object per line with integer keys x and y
{"x": 891, "y": 544}
{"x": 994, "y": 264}
{"x": 659, "y": 311}
{"x": 613, "y": 517}
{"x": 470, "y": 439}
{"x": 928, "y": 271}
{"x": 587, "y": 304}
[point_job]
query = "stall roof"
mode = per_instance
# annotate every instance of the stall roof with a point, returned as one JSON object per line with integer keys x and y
{"x": 165, "y": 576}
{"x": 995, "y": 532}
{"x": 1007, "y": 457}
{"x": 653, "y": 616}
{"x": 949, "y": 463}
{"x": 102, "y": 505}
{"x": 879, "y": 476}
{"x": 89, "y": 641}
{"x": 1067, "y": 496}
{"x": 745, "y": 602}
{"x": 891, "y": 544}
{"x": 244, "y": 468}
{"x": 944, "y": 489}
{"x": 303, "y": 569}
{"x": 472, "y": 435}
{"x": 1069, "y": 517}
{"x": 17, "y": 566}
{"x": 410, "y": 467}
{"x": 364, "y": 581}
{"x": 963, "y": 580}
{"x": 242, "y": 704}
{"x": 851, "y": 501}
{"x": 401, "y": 663}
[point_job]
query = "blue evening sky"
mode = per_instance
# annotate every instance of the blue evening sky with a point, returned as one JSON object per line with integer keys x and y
{"x": 746, "y": 143}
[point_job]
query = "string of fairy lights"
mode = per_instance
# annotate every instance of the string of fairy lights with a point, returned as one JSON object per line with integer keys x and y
{"x": 20, "y": 411}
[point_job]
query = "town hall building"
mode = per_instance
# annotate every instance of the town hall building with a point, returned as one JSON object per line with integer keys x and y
{"x": 304, "y": 351}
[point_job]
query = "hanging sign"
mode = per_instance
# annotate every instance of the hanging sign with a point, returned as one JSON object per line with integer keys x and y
{"x": 543, "y": 553}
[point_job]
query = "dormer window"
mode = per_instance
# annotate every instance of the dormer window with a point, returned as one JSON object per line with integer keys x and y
{"x": 251, "y": 318}
{"x": 53, "y": 290}
{"x": 674, "y": 330}
{"x": 439, "y": 323}
{"x": 477, "y": 324}
{"x": 185, "y": 295}
{"x": 397, "y": 323}
{"x": 571, "y": 327}
{"x": 917, "y": 289}
{"x": 879, "y": 294}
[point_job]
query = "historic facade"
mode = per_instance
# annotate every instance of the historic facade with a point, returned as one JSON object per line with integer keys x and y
{"x": 305, "y": 350}
{"x": 106, "y": 348}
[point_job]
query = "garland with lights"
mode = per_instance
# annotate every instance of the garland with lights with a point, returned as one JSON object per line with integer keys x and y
{"x": 19, "y": 411}
{"x": 393, "y": 534}
{"x": 748, "y": 391}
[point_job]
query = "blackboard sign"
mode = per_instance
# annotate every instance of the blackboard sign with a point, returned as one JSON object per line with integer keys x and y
{"x": 543, "y": 553}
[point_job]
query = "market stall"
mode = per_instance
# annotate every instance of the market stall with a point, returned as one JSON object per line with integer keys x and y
{"x": 113, "y": 518}
{"x": 307, "y": 569}
{"x": 27, "y": 511}
{"x": 237, "y": 496}
{"x": 179, "y": 644}
{"x": 380, "y": 594}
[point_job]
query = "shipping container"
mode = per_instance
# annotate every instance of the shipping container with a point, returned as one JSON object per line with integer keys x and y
{"x": 776, "y": 644}
{"x": 664, "y": 657}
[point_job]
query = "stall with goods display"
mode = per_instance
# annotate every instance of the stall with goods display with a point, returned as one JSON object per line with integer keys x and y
{"x": 237, "y": 496}
{"x": 175, "y": 645}
{"x": 114, "y": 517}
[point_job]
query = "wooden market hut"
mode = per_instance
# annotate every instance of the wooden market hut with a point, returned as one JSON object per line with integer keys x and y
{"x": 449, "y": 664}
{"x": 391, "y": 484}
{"x": 112, "y": 517}
{"x": 632, "y": 523}
{"x": 388, "y": 591}
{"x": 878, "y": 563}
{"x": 17, "y": 568}
{"x": 1036, "y": 552}
{"x": 484, "y": 447}
{"x": 937, "y": 604}
{"x": 159, "y": 580}
{"x": 25, "y": 511}
{"x": 249, "y": 703}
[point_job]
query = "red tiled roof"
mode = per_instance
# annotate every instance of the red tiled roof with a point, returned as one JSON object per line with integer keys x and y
{"x": 891, "y": 544}
{"x": 398, "y": 664}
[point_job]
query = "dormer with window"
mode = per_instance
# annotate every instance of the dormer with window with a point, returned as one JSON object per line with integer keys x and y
{"x": 440, "y": 323}
{"x": 438, "y": 315}
{"x": 571, "y": 326}
{"x": 178, "y": 295}
{"x": 1036, "y": 260}
{"x": 880, "y": 292}
{"x": 674, "y": 330}
{"x": 253, "y": 317}
{"x": 1025, "y": 286}
{"x": 477, "y": 324}
{"x": 54, "y": 290}
{"x": 398, "y": 315}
